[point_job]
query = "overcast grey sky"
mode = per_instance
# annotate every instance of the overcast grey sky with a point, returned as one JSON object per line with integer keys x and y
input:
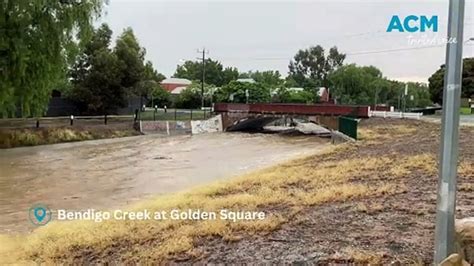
{"x": 265, "y": 35}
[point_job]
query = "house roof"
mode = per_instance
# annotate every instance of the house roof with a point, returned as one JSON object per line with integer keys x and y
{"x": 178, "y": 90}
{"x": 176, "y": 81}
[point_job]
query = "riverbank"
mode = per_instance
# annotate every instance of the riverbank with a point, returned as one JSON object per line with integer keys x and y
{"x": 11, "y": 138}
{"x": 372, "y": 201}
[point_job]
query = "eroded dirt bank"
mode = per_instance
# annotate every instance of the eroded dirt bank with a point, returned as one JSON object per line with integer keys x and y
{"x": 396, "y": 226}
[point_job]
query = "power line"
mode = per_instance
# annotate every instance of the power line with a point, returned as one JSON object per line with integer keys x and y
{"x": 398, "y": 49}
{"x": 369, "y": 35}
{"x": 395, "y": 50}
{"x": 350, "y": 53}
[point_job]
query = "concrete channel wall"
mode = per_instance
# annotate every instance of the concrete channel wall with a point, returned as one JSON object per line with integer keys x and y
{"x": 213, "y": 124}
{"x": 165, "y": 127}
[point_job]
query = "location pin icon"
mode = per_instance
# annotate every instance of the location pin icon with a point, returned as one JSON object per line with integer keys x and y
{"x": 40, "y": 213}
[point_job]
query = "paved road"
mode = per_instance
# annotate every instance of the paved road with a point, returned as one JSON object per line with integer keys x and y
{"x": 465, "y": 120}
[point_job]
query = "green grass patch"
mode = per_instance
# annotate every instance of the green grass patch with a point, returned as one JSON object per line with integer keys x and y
{"x": 465, "y": 110}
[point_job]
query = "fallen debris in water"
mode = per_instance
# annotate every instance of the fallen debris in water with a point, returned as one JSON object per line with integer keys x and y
{"x": 303, "y": 128}
{"x": 161, "y": 158}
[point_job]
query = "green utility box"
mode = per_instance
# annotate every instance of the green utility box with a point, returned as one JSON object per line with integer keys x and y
{"x": 348, "y": 126}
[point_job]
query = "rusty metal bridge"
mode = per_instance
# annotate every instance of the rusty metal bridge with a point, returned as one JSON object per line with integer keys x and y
{"x": 255, "y": 116}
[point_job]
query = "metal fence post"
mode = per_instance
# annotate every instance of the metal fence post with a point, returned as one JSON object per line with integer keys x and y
{"x": 105, "y": 119}
{"x": 174, "y": 114}
{"x": 37, "y": 123}
{"x": 191, "y": 114}
{"x": 446, "y": 200}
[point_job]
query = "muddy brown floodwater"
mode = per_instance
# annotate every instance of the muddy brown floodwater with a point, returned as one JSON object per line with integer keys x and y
{"x": 110, "y": 173}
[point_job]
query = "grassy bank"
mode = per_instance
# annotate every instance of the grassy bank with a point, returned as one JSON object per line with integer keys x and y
{"x": 10, "y": 138}
{"x": 465, "y": 110}
{"x": 369, "y": 202}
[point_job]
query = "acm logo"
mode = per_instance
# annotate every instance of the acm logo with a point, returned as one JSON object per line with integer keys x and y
{"x": 413, "y": 23}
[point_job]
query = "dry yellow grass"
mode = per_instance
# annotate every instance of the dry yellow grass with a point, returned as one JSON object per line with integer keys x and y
{"x": 378, "y": 134}
{"x": 466, "y": 168}
{"x": 363, "y": 257}
{"x": 423, "y": 162}
{"x": 293, "y": 185}
{"x": 369, "y": 208}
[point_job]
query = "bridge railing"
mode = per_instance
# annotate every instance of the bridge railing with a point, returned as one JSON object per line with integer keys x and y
{"x": 297, "y": 109}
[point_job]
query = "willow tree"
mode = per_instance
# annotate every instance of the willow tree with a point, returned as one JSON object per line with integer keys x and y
{"x": 37, "y": 38}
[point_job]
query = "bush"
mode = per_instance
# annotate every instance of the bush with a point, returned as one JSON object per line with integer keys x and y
{"x": 161, "y": 97}
{"x": 189, "y": 98}
{"x": 288, "y": 96}
{"x": 235, "y": 92}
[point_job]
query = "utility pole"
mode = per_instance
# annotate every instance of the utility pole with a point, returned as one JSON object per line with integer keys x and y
{"x": 203, "y": 51}
{"x": 405, "y": 94}
{"x": 375, "y": 99}
{"x": 446, "y": 201}
{"x": 399, "y": 99}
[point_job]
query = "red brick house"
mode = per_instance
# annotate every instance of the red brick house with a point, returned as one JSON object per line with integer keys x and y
{"x": 172, "y": 83}
{"x": 324, "y": 95}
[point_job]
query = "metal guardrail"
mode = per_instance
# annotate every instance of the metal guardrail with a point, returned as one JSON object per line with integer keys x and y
{"x": 396, "y": 115}
{"x": 66, "y": 117}
{"x": 12, "y": 123}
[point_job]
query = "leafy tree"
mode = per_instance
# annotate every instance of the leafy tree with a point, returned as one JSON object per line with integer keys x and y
{"x": 37, "y": 39}
{"x": 97, "y": 76}
{"x": 160, "y": 97}
{"x": 366, "y": 85}
{"x": 229, "y": 74}
{"x": 436, "y": 84}
{"x": 131, "y": 56}
{"x": 436, "y": 81}
{"x": 392, "y": 95}
{"x": 420, "y": 93}
{"x": 288, "y": 96}
{"x": 355, "y": 85}
{"x": 386, "y": 91}
{"x": 215, "y": 74}
{"x": 291, "y": 83}
{"x": 237, "y": 92}
{"x": 310, "y": 67}
{"x": 268, "y": 78}
{"x": 150, "y": 82}
{"x": 149, "y": 87}
{"x": 189, "y": 98}
{"x": 151, "y": 74}
{"x": 144, "y": 88}
{"x": 100, "y": 90}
